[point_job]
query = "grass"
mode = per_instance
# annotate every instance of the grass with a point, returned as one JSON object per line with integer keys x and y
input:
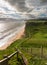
{"x": 37, "y": 34}
{"x": 33, "y": 59}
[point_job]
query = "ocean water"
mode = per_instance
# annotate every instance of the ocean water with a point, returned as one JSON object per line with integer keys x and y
{"x": 8, "y": 30}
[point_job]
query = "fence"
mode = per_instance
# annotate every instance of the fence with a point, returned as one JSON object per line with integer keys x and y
{"x": 6, "y": 60}
{"x": 39, "y": 52}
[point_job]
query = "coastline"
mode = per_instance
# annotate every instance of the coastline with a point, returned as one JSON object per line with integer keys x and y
{"x": 14, "y": 38}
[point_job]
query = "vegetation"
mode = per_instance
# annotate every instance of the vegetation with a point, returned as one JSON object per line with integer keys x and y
{"x": 33, "y": 45}
{"x": 36, "y": 29}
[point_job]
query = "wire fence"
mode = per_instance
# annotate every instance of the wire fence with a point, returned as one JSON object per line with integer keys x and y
{"x": 39, "y": 52}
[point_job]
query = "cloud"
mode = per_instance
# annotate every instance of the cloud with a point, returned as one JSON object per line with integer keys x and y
{"x": 6, "y": 10}
{"x": 39, "y": 12}
{"x": 24, "y": 5}
{"x": 23, "y": 8}
{"x": 44, "y": 1}
{"x": 20, "y": 5}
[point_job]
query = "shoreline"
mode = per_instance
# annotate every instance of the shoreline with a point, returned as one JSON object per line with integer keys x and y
{"x": 14, "y": 38}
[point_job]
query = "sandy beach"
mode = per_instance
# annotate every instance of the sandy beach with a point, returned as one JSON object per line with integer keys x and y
{"x": 14, "y": 38}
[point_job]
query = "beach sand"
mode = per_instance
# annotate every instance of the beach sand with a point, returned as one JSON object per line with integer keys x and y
{"x": 14, "y": 38}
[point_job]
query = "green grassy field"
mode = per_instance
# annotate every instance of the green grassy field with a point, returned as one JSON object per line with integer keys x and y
{"x": 31, "y": 45}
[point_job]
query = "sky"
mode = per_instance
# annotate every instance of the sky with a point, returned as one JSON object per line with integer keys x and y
{"x": 23, "y": 9}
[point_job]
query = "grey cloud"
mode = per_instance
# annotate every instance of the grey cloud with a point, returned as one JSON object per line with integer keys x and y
{"x": 36, "y": 2}
{"x": 19, "y": 4}
{"x": 44, "y": 1}
{"x": 33, "y": 2}
{"x": 26, "y": 5}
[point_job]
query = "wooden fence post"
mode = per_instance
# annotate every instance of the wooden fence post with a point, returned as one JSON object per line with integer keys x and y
{"x": 17, "y": 55}
{"x": 31, "y": 50}
{"x": 41, "y": 51}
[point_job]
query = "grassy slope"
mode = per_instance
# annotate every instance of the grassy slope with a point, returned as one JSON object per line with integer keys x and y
{"x": 37, "y": 34}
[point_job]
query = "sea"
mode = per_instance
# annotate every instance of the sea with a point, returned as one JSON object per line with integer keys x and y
{"x": 8, "y": 29}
